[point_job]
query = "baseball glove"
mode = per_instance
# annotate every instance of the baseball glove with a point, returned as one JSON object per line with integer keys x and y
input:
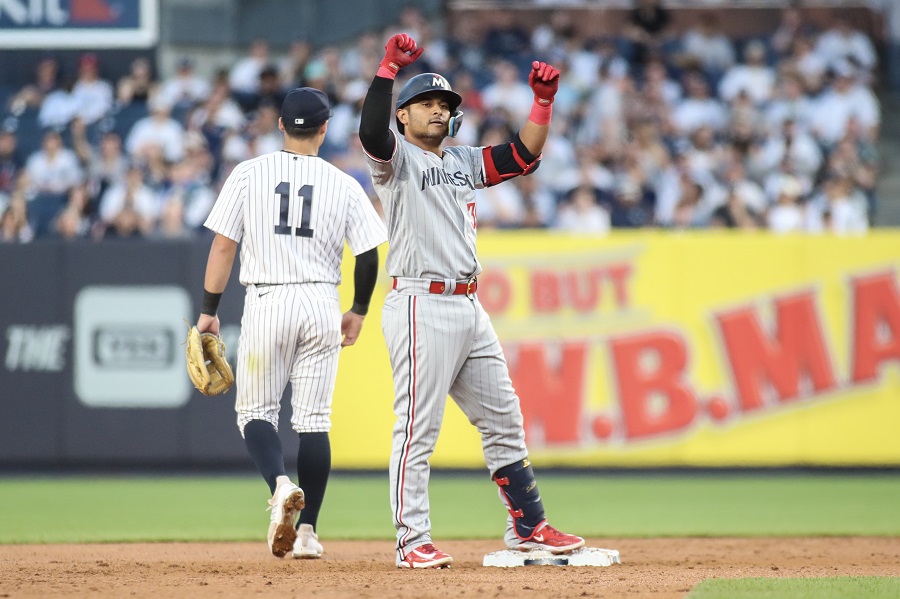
{"x": 206, "y": 364}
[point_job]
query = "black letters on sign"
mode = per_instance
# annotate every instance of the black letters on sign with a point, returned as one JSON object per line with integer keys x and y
{"x": 283, "y": 190}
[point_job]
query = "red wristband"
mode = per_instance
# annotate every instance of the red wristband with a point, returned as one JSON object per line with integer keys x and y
{"x": 540, "y": 113}
{"x": 386, "y": 72}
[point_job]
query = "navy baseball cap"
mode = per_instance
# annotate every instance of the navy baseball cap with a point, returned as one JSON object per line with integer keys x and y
{"x": 305, "y": 107}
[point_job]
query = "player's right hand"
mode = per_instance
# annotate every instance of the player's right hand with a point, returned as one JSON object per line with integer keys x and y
{"x": 400, "y": 51}
{"x": 208, "y": 324}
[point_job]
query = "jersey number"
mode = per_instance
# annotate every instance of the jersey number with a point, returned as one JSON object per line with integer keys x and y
{"x": 284, "y": 197}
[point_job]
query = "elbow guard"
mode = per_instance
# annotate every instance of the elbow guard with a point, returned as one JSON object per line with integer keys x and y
{"x": 508, "y": 161}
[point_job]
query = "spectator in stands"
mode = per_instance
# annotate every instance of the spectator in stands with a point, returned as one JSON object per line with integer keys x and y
{"x": 365, "y": 54}
{"x": 128, "y": 209}
{"x": 552, "y": 38}
{"x": 187, "y": 188}
{"x": 706, "y": 47}
{"x": 632, "y": 204}
{"x": 51, "y": 172}
{"x": 263, "y": 132}
{"x": 93, "y": 95}
{"x": 646, "y": 29}
{"x": 138, "y": 84}
{"x": 581, "y": 213}
{"x": 604, "y": 109}
{"x": 538, "y": 203}
{"x": 843, "y": 43}
{"x": 505, "y": 39}
{"x": 648, "y": 150}
{"x": 32, "y": 95}
{"x": 268, "y": 91}
{"x": 14, "y": 227}
{"x": 857, "y": 157}
{"x": 846, "y": 99}
{"x": 344, "y": 122}
{"x": 158, "y": 129}
{"x": 698, "y": 108}
{"x": 54, "y": 169}
{"x": 243, "y": 79}
{"x": 807, "y": 64}
{"x": 791, "y": 27}
{"x": 324, "y": 72}
{"x": 734, "y": 214}
{"x": 292, "y": 68}
{"x": 703, "y": 152}
{"x": 753, "y": 77}
{"x": 171, "y": 223}
{"x": 106, "y": 165}
{"x": 185, "y": 89}
{"x": 60, "y": 106}
{"x": 790, "y": 142}
{"x": 10, "y": 163}
{"x": 787, "y": 215}
{"x": 789, "y": 103}
{"x": 497, "y": 206}
{"x": 71, "y": 222}
{"x": 839, "y": 208}
{"x": 508, "y": 93}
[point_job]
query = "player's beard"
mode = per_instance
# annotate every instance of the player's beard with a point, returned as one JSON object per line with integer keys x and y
{"x": 429, "y": 135}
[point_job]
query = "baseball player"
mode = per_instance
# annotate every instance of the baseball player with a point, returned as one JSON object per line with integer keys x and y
{"x": 440, "y": 339}
{"x": 292, "y": 212}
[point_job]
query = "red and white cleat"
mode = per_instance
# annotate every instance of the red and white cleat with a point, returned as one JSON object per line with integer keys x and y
{"x": 547, "y": 538}
{"x": 426, "y": 556}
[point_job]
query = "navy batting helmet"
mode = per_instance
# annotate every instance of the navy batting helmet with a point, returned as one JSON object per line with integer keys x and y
{"x": 426, "y": 83}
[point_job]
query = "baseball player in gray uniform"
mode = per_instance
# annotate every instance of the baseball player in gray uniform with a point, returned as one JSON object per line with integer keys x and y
{"x": 440, "y": 339}
{"x": 291, "y": 212}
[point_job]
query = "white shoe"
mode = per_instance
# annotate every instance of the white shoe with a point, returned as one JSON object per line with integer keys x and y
{"x": 307, "y": 545}
{"x": 285, "y": 504}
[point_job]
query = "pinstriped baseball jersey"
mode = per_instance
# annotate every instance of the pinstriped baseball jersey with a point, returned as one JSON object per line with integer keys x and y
{"x": 292, "y": 213}
{"x": 429, "y": 206}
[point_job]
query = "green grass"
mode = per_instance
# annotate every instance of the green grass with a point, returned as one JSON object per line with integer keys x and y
{"x": 82, "y": 509}
{"x": 870, "y": 587}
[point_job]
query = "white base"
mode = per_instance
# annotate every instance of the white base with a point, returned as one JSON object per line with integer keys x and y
{"x": 586, "y": 556}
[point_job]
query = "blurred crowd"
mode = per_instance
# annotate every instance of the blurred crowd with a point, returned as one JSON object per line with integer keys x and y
{"x": 656, "y": 127}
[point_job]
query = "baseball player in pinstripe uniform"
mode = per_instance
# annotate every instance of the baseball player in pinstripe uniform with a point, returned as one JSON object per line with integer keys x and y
{"x": 291, "y": 212}
{"x": 439, "y": 338}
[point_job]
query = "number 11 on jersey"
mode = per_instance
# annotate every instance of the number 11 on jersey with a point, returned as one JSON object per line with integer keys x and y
{"x": 305, "y": 193}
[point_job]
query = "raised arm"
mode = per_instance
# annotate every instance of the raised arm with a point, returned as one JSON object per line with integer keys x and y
{"x": 375, "y": 120}
{"x": 544, "y": 81}
{"x": 521, "y": 155}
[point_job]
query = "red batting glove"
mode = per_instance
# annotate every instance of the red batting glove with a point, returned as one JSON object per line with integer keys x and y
{"x": 400, "y": 51}
{"x": 544, "y": 81}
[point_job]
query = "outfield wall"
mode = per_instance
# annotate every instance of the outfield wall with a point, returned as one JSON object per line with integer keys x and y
{"x": 651, "y": 349}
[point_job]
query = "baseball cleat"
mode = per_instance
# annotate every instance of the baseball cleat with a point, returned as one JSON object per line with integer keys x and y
{"x": 285, "y": 504}
{"x": 426, "y": 556}
{"x": 549, "y": 539}
{"x": 307, "y": 545}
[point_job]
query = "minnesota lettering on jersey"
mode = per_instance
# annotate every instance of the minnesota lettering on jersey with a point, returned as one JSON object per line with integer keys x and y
{"x": 438, "y": 176}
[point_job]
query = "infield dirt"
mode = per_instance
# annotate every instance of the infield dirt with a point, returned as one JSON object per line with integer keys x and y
{"x": 657, "y": 568}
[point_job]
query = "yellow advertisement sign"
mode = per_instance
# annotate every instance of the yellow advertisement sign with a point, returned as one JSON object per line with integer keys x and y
{"x": 669, "y": 349}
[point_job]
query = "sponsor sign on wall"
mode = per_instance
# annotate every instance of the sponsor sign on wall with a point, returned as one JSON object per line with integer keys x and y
{"x": 78, "y": 23}
{"x": 656, "y": 349}
{"x": 128, "y": 351}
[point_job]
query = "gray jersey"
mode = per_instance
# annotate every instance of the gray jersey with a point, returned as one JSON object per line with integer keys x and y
{"x": 436, "y": 241}
{"x": 438, "y": 344}
{"x": 292, "y": 213}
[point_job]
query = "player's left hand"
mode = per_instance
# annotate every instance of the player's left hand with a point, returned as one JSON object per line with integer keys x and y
{"x": 544, "y": 81}
{"x": 351, "y": 325}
